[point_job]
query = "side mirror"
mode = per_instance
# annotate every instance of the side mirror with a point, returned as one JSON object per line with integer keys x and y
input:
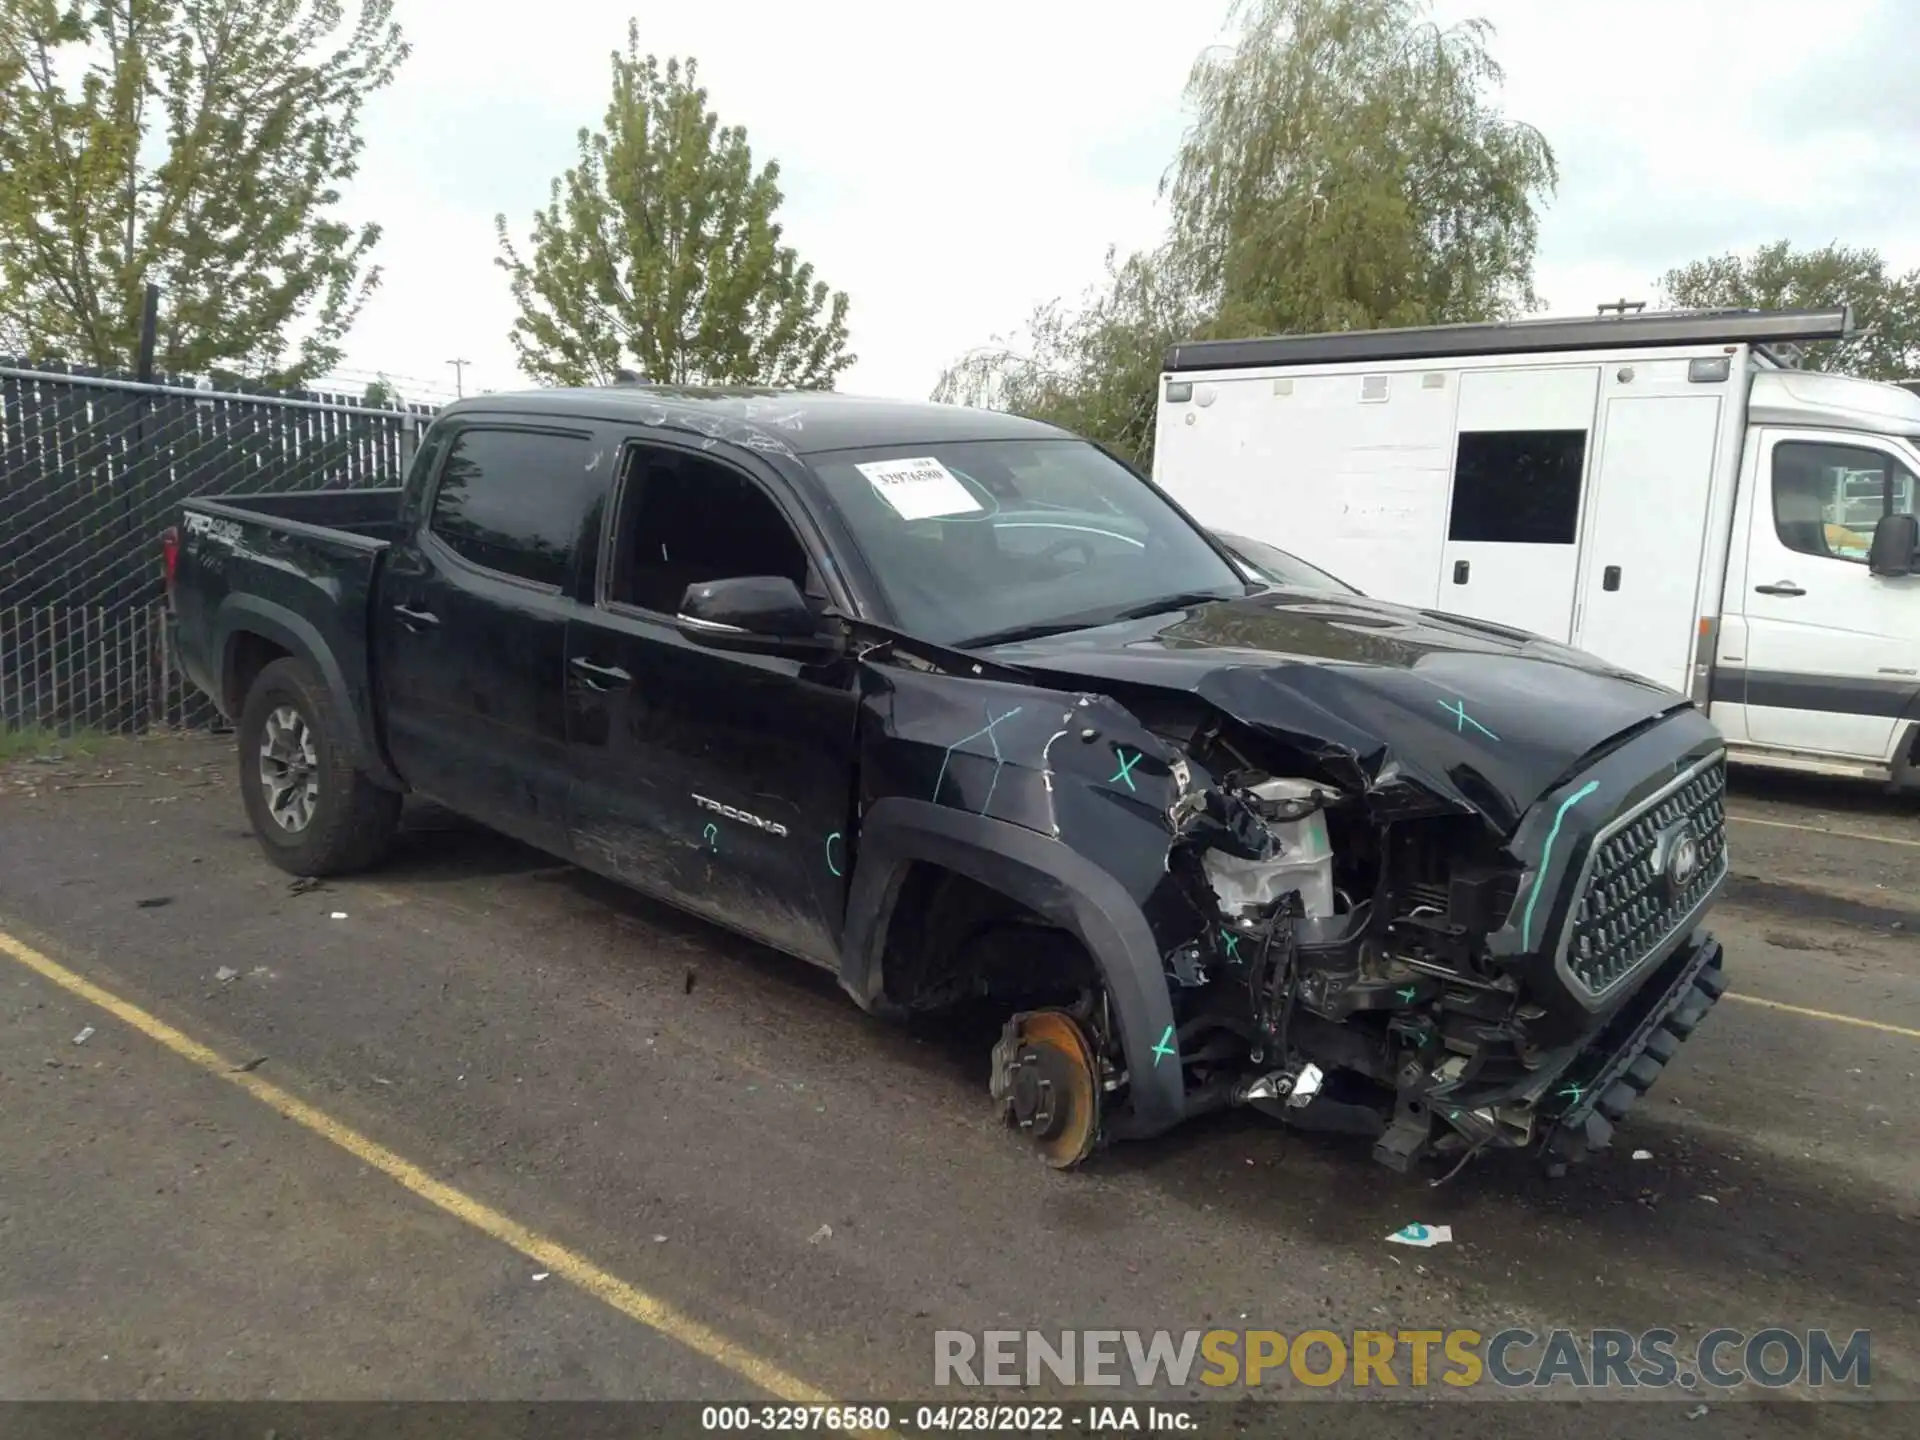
{"x": 758, "y": 614}
{"x": 1896, "y": 545}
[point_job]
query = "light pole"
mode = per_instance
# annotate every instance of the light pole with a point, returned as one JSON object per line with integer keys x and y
{"x": 460, "y": 377}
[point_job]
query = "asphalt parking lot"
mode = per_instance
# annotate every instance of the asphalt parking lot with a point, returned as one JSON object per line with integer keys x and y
{"x": 481, "y": 1126}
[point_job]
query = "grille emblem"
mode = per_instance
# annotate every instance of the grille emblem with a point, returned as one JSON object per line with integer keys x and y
{"x": 1677, "y": 857}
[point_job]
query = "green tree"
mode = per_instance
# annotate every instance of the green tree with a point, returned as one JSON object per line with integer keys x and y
{"x": 661, "y": 245}
{"x": 197, "y": 145}
{"x": 1886, "y": 306}
{"x": 1345, "y": 168}
{"x": 1093, "y": 370}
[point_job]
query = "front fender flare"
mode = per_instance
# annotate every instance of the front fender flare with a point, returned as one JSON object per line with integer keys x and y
{"x": 1056, "y": 883}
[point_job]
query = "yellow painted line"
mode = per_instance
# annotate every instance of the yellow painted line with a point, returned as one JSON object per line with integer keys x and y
{"x": 1833, "y": 1016}
{"x": 1822, "y": 830}
{"x": 550, "y": 1255}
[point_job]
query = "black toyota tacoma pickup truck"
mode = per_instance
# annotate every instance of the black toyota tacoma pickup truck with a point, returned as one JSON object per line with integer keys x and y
{"x": 960, "y": 707}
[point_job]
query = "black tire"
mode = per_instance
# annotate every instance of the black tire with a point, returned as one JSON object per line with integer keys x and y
{"x": 349, "y": 821}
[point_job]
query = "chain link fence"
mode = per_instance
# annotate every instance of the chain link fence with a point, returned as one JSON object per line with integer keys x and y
{"x": 92, "y": 468}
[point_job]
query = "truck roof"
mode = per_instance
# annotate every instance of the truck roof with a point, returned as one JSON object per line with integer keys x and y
{"x": 799, "y": 422}
{"x": 1518, "y": 337}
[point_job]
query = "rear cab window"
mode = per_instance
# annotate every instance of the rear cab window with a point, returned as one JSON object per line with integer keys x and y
{"x": 514, "y": 500}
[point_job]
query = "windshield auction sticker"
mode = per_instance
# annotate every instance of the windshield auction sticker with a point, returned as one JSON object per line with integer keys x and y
{"x": 919, "y": 489}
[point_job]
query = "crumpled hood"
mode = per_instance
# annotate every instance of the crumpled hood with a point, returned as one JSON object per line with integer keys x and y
{"x": 1380, "y": 697}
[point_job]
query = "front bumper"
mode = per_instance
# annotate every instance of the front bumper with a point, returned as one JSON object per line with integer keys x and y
{"x": 1621, "y": 1063}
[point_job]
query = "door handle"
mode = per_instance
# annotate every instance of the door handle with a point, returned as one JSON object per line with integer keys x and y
{"x": 1461, "y": 569}
{"x": 416, "y": 619}
{"x": 1780, "y": 587}
{"x": 599, "y": 677}
{"x": 1610, "y": 578}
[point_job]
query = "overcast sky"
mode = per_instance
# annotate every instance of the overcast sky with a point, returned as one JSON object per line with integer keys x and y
{"x": 950, "y": 167}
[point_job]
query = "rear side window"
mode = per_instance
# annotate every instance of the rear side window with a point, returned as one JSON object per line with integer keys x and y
{"x": 514, "y": 501}
{"x": 1518, "y": 487}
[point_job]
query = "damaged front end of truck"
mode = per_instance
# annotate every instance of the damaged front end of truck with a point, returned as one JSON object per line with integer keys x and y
{"x": 1447, "y": 900}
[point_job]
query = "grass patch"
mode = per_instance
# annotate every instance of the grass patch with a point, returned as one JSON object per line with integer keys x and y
{"x": 36, "y": 740}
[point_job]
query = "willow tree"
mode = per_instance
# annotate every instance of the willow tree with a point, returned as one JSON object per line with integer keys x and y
{"x": 1348, "y": 167}
{"x": 659, "y": 252}
{"x": 198, "y": 145}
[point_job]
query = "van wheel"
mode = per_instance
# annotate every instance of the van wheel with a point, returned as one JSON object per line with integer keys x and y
{"x": 314, "y": 812}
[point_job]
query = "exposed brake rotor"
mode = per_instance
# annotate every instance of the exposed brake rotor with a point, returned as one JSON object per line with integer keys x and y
{"x": 1045, "y": 1076}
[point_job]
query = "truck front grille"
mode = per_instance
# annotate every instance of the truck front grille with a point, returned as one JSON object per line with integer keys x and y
{"x": 1630, "y": 902}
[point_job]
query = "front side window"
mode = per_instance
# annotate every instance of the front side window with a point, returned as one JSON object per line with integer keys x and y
{"x": 513, "y": 501}
{"x": 685, "y": 520}
{"x": 1828, "y": 498}
{"x": 984, "y": 539}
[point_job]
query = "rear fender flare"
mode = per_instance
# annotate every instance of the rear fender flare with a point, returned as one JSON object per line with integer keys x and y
{"x": 248, "y": 614}
{"x": 1056, "y": 883}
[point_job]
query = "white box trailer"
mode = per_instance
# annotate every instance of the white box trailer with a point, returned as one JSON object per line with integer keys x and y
{"x": 1661, "y": 490}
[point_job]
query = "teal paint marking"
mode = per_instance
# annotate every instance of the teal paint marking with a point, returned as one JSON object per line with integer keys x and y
{"x": 1125, "y": 772}
{"x": 1458, "y": 709}
{"x": 1233, "y": 944}
{"x": 1165, "y": 1047}
{"x": 830, "y": 865}
{"x": 1408, "y": 993}
{"x": 1546, "y": 852}
{"x": 712, "y": 837}
{"x": 1572, "y": 1093}
{"x": 999, "y": 760}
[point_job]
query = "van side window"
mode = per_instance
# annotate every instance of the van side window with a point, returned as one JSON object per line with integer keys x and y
{"x": 513, "y": 501}
{"x": 1827, "y": 498}
{"x": 684, "y": 520}
{"x": 1518, "y": 487}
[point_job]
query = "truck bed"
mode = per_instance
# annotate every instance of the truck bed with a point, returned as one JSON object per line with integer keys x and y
{"x": 297, "y": 568}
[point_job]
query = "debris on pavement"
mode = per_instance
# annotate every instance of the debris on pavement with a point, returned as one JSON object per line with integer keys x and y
{"x": 825, "y": 1232}
{"x": 86, "y": 1034}
{"x": 251, "y": 1065}
{"x": 300, "y": 885}
{"x": 1696, "y": 1412}
{"x": 1643, "y": 1154}
{"x": 338, "y": 915}
{"x": 659, "y": 1239}
{"x": 541, "y": 1275}
{"x": 1711, "y": 1199}
{"x": 226, "y": 973}
{"x": 154, "y": 902}
{"x": 689, "y": 986}
{"x": 1423, "y": 1236}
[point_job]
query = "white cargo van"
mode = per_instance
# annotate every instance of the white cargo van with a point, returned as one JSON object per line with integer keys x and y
{"x": 1662, "y": 490}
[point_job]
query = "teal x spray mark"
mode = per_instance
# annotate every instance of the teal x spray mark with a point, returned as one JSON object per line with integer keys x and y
{"x": 1572, "y": 1094}
{"x": 1458, "y": 709}
{"x": 1165, "y": 1047}
{"x": 1408, "y": 993}
{"x": 1125, "y": 772}
{"x": 999, "y": 760}
{"x": 1233, "y": 944}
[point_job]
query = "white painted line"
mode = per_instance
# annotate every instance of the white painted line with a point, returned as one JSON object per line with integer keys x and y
{"x": 1822, "y": 830}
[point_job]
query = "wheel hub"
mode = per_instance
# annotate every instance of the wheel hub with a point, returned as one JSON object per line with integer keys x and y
{"x": 1044, "y": 1074}
{"x": 289, "y": 769}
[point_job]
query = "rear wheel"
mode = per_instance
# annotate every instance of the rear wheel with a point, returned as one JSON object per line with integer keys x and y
{"x": 315, "y": 814}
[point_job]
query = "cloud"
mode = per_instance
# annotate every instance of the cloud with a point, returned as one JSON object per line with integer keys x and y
{"x": 951, "y": 168}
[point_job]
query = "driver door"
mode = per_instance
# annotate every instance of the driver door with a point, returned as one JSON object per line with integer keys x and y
{"x": 1831, "y": 647}
{"x": 719, "y": 781}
